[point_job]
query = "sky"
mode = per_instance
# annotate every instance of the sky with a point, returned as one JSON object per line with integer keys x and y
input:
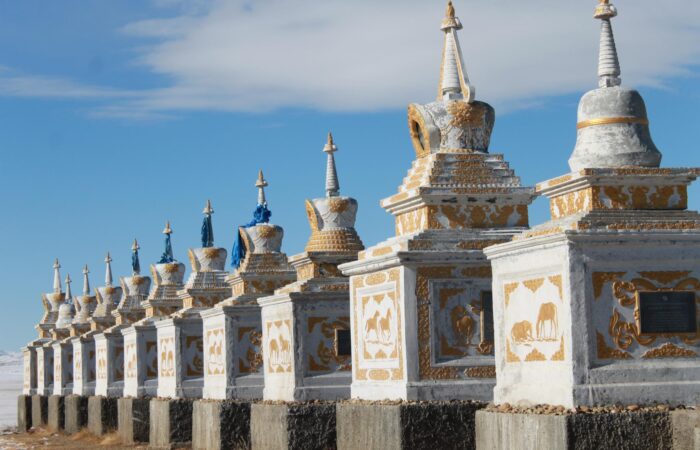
{"x": 117, "y": 115}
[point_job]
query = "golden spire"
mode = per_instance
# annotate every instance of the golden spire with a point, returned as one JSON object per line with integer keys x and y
{"x": 454, "y": 81}
{"x": 450, "y": 13}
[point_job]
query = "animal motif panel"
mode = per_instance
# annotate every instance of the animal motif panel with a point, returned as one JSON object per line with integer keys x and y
{"x": 166, "y": 350}
{"x": 130, "y": 361}
{"x": 215, "y": 355}
{"x": 193, "y": 355}
{"x": 278, "y": 346}
{"x": 321, "y": 346}
{"x": 118, "y": 362}
{"x": 616, "y": 315}
{"x": 101, "y": 361}
{"x": 27, "y": 371}
{"x": 377, "y": 329}
{"x": 533, "y": 315}
{"x": 249, "y": 349}
{"x": 58, "y": 374}
{"x": 78, "y": 363}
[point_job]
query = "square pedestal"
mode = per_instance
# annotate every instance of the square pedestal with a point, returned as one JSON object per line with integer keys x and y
{"x": 109, "y": 360}
{"x": 140, "y": 361}
{"x": 44, "y": 368}
{"x": 232, "y": 352}
{"x": 641, "y": 429}
{"x": 57, "y": 413}
{"x": 221, "y": 424}
{"x": 569, "y": 326}
{"x": 307, "y": 426}
{"x": 29, "y": 366}
{"x": 24, "y": 413}
{"x": 84, "y": 367}
{"x": 40, "y": 410}
{"x": 76, "y": 413}
{"x": 170, "y": 423}
{"x": 62, "y": 368}
{"x": 133, "y": 418}
{"x": 425, "y": 425}
{"x": 102, "y": 415}
{"x": 180, "y": 364}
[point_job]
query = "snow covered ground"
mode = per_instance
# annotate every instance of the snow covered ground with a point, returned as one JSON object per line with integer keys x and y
{"x": 10, "y": 387}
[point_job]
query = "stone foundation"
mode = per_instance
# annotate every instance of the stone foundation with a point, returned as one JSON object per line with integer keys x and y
{"x": 24, "y": 413}
{"x": 57, "y": 413}
{"x": 646, "y": 428}
{"x": 293, "y": 426}
{"x": 170, "y": 422}
{"x": 421, "y": 425}
{"x": 40, "y": 410}
{"x": 76, "y": 413}
{"x": 220, "y": 424}
{"x": 133, "y": 419}
{"x": 102, "y": 415}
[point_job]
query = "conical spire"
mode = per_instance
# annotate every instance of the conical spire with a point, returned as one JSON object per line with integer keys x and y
{"x": 608, "y": 62}
{"x": 167, "y": 256}
{"x": 69, "y": 295}
{"x": 86, "y": 281}
{"x": 56, "y": 277}
{"x": 454, "y": 81}
{"x": 135, "y": 263}
{"x": 108, "y": 270}
{"x": 332, "y": 185}
{"x": 207, "y": 228}
{"x": 260, "y": 184}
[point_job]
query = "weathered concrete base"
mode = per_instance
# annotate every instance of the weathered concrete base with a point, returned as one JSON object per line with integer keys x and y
{"x": 57, "y": 413}
{"x": 76, "y": 413}
{"x": 170, "y": 423}
{"x": 422, "y": 425}
{"x": 133, "y": 419}
{"x": 40, "y": 410}
{"x": 642, "y": 429}
{"x": 220, "y": 424}
{"x": 295, "y": 426}
{"x": 24, "y": 413}
{"x": 102, "y": 415}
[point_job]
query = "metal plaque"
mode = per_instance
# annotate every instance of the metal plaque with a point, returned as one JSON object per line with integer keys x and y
{"x": 342, "y": 343}
{"x": 666, "y": 312}
{"x": 486, "y": 316}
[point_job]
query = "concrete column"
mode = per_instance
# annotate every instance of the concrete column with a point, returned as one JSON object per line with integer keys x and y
{"x": 220, "y": 424}
{"x": 76, "y": 407}
{"x": 170, "y": 423}
{"x": 57, "y": 413}
{"x": 24, "y": 412}
{"x": 102, "y": 415}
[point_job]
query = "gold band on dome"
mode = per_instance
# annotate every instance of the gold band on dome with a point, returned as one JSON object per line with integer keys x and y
{"x": 610, "y": 120}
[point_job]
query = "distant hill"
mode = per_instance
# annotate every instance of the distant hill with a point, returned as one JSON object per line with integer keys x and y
{"x": 10, "y": 361}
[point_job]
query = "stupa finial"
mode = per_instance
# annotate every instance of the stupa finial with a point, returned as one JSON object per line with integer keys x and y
{"x": 332, "y": 184}
{"x": 86, "y": 281}
{"x": 135, "y": 263}
{"x": 57, "y": 277}
{"x": 167, "y": 256}
{"x": 69, "y": 295}
{"x": 454, "y": 81}
{"x": 608, "y": 62}
{"x": 108, "y": 270}
{"x": 261, "y": 183}
{"x": 207, "y": 228}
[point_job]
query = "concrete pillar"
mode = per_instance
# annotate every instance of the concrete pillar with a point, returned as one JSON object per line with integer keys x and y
{"x": 170, "y": 423}
{"x": 57, "y": 413}
{"x": 76, "y": 407}
{"x": 425, "y": 425}
{"x": 133, "y": 419}
{"x": 24, "y": 413}
{"x": 307, "y": 426}
{"x": 102, "y": 415}
{"x": 220, "y": 424}
{"x": 40, "y": 406}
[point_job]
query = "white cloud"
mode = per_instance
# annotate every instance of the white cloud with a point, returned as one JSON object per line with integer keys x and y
{"x": 367, "y": 55}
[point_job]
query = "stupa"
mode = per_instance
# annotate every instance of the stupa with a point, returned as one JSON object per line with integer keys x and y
{"x": 83, "y": 364}
{"x": 181, "y": 359}
{"x": 140, "y": 339}
{"x": 62, "y": 347}
{"x": 598, "y": 305}
{"x": 420, "y": 302}
{"x": 44, "y": 352}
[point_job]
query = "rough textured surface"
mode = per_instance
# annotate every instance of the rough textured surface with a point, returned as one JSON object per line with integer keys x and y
{"x": 626, "y": 430}
{"x": 170, "y": 422}
{"x": 444, "y": 425}
{"x": 57, "y": 413}
{"x": 40, "y": 406}
{"x": 133, "y": 419}
{"x": 683, "y": 423}
{"x": 24, "y": 412}
{"x": 293, "y": 426}
{"x": 220, "y": 424}
{"x": 102, "y": 415}
{"x": 76, "y": 413}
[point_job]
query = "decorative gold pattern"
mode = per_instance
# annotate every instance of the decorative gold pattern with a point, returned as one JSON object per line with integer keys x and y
{"x": 606, "y": 352}
{"x": 466, "y": 114}
{"x": 535, "y": 355}
{"x": 669, "y": 350}
{"x": 481, "y": 372}
{"x": 612, "y": 120}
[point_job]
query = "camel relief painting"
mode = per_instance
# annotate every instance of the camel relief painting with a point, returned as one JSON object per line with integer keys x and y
{"x": 532, "y": 316}
{"x": 278, "y": 350}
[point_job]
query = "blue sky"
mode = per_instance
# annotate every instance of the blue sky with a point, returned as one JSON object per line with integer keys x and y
{"x": 118, "y": 115}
